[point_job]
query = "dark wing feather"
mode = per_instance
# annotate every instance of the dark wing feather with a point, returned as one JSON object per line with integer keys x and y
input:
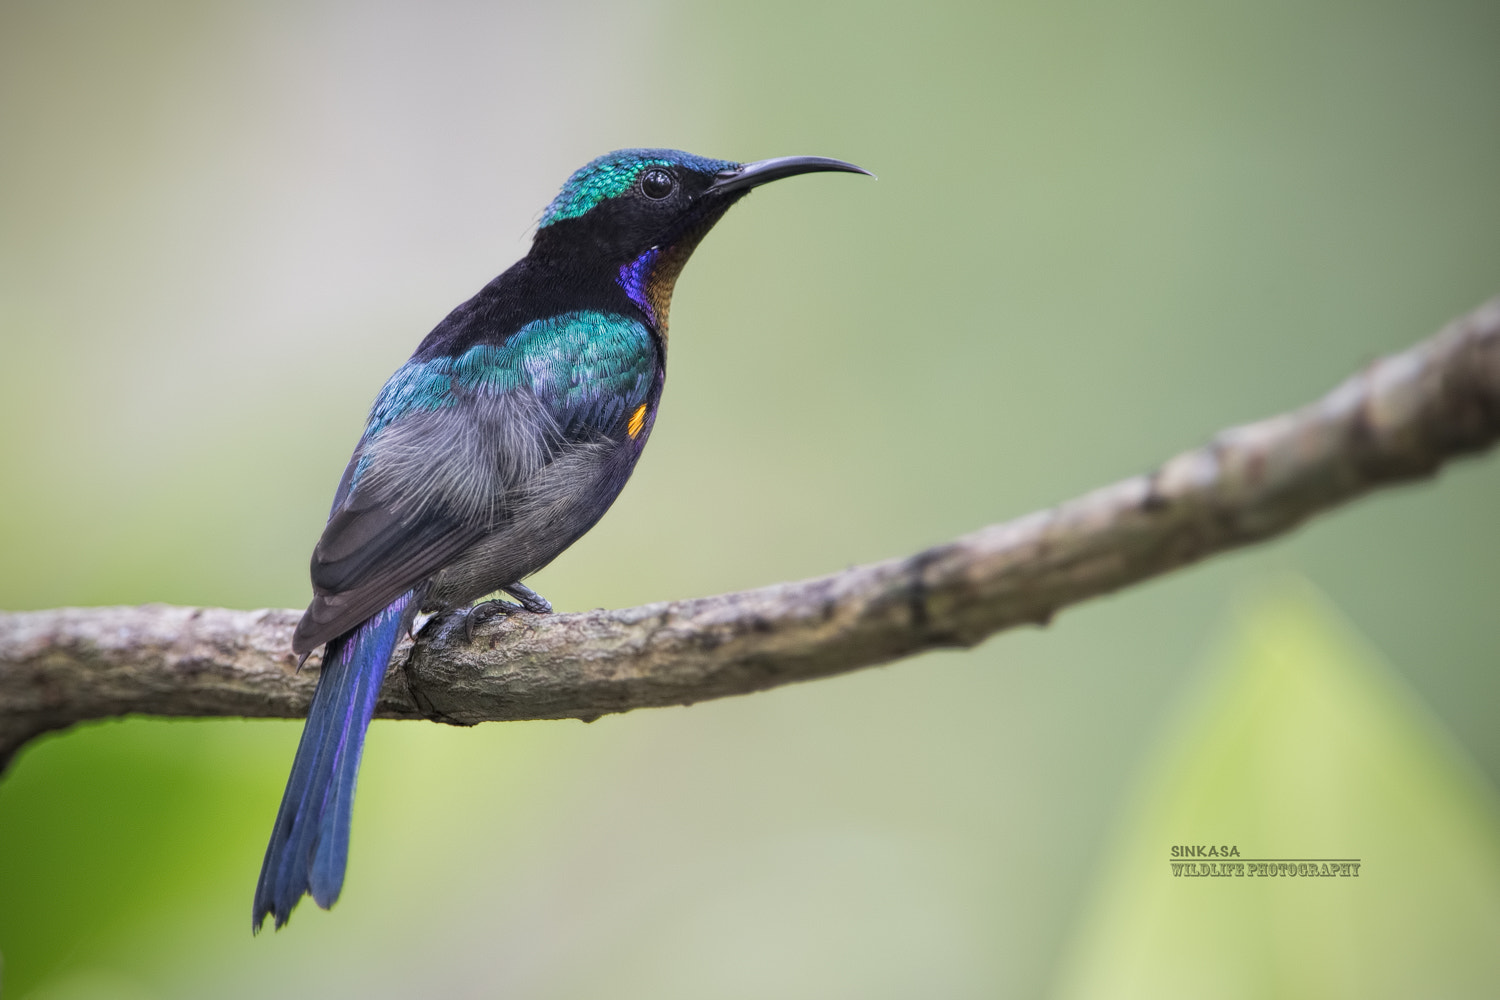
{"x": 398, "y": 557}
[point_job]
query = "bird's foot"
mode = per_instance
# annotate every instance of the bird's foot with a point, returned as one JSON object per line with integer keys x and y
{"x": 530, "y": 599}
{"x": 482, "y": 612}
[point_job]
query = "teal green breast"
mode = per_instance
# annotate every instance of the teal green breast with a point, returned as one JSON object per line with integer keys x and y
{"x": 583, "y": 365}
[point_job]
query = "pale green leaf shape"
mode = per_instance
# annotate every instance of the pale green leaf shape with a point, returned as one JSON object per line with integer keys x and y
{"x": 1302, "y": 745}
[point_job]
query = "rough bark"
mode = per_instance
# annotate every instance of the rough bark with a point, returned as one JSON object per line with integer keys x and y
{"x": 1398, "y": 420}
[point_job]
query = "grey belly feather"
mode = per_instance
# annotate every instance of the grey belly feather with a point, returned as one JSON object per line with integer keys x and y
{"x": 547, "y": 513}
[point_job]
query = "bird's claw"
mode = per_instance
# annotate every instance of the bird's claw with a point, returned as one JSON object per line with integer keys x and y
{"x": 529, "y": 599}
{"x": 484, "y": 611}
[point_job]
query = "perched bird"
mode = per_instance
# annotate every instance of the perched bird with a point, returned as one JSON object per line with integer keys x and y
{"x": 506, "y": 436}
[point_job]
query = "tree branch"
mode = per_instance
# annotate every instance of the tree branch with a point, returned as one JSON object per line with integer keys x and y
{"x": 1399, "y": 419}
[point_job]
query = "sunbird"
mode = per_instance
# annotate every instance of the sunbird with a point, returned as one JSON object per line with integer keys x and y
{"x": 504, "y": 438}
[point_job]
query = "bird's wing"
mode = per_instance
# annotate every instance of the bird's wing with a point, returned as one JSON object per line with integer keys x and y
{"x": 451, "y": 441}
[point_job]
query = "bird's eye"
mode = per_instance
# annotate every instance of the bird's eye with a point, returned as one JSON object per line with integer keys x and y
{"x": 657, "y": 184}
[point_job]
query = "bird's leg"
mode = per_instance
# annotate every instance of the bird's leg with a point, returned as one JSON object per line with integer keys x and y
{"x": 530, "y": 599}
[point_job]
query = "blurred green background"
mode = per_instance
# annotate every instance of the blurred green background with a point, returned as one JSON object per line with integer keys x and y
{"x": 1101, "y": 233}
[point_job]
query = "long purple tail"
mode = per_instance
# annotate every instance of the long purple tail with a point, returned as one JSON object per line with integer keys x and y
{"x": 310, "y": 842}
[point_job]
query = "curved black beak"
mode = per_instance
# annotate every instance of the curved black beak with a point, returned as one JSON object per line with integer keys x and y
{"x": 751, "y": 175}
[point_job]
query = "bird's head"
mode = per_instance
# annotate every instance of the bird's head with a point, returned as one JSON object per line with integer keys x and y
{"x": 639, "y": 213}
